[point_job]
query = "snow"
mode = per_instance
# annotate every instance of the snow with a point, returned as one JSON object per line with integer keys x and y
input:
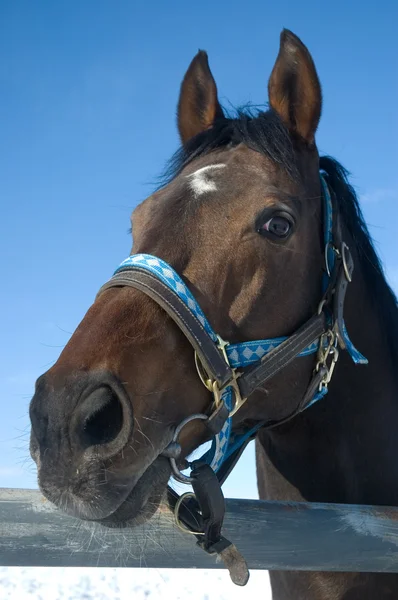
{"x": 70, "y": 583}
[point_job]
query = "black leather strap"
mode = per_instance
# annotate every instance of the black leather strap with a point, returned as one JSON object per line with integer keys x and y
{"x": 209, "y": 354}
{"x": 217, "y": 419}
{"x": 280, "y": 357}
{"x": 345, "y": 270}
{"x": 315, "y": 382}
{"x": 205, "y": 514}
{"x": 211, "y": 502}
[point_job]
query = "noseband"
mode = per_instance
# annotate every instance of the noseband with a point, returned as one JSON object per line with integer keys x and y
{"x": 232, "y": 372}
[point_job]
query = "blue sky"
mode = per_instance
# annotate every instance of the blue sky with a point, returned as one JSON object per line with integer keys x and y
{"x": 88, "y": 92}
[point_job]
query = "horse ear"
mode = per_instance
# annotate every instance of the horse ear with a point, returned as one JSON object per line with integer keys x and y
{"x": 294, "y": 89}
{"x": 198, "y": 106}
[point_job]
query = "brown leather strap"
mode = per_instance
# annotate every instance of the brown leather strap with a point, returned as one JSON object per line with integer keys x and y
{"x": 280, "y": 357}
{"x": 211, "y": 357}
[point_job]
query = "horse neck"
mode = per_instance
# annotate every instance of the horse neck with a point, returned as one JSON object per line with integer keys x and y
{"x": 344, "y": 448}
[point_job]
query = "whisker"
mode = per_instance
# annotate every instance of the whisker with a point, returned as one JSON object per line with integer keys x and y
{"x": 143, "y": 434}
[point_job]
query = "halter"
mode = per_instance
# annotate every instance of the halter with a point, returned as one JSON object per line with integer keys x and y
{"x": 232, "y": 372}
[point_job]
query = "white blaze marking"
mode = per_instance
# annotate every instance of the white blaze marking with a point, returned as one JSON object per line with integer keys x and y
{"x": 201, "y": 182}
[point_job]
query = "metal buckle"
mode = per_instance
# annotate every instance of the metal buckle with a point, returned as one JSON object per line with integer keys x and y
{"x": 212, "y": 385}
{"x": 239, "y": 401}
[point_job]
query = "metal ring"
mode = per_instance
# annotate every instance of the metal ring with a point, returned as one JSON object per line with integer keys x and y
{"x": 327, "y": 259}
{"x": 176, "y": 471}
{"x": 177, "y": 508}
{"x": 203, "y": 376}
{"x": 335, "y": 250}
{"x": 344, "y": 250}
{"x": 321, "y": 305}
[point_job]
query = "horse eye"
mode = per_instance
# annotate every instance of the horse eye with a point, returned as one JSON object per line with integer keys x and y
{"x": 277, "y": 226}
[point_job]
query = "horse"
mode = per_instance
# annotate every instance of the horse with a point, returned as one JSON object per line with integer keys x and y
{"x": 240, "y": 219}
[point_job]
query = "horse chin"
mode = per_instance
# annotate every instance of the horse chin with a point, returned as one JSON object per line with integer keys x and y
{"x": 144, "y": 499}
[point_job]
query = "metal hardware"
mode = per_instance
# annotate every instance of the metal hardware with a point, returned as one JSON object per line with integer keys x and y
{"x": 335, "y": 250}
{"x": 344, "y": 250}
{"x": 335, "y": 357}
{"x": 176, "y": 517}
{"x": 221, "y": 345}
{"x": 203, "y": 376}
{"x": 324, "y": 353}
{"x": 173, "y": 462}
{"x": 321, "y": 305}
{"x": 239, "y": 400}
{"x": 342, "y": 253}
{"x": 212, "y": 385}
{"x": 173, "y": 450}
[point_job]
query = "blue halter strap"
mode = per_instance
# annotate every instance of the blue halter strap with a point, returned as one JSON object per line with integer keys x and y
{"x": 225, "y": 443}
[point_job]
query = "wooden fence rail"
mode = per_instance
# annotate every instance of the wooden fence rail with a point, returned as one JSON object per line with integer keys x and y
{"x": 271, "y": 535}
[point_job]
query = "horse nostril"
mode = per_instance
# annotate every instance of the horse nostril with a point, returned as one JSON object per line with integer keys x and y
{"x": 102, "y": 417}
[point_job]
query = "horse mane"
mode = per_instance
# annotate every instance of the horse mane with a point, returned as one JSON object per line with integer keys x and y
{"x": 383, "y": 298}
{"x": 264, "y": 132}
